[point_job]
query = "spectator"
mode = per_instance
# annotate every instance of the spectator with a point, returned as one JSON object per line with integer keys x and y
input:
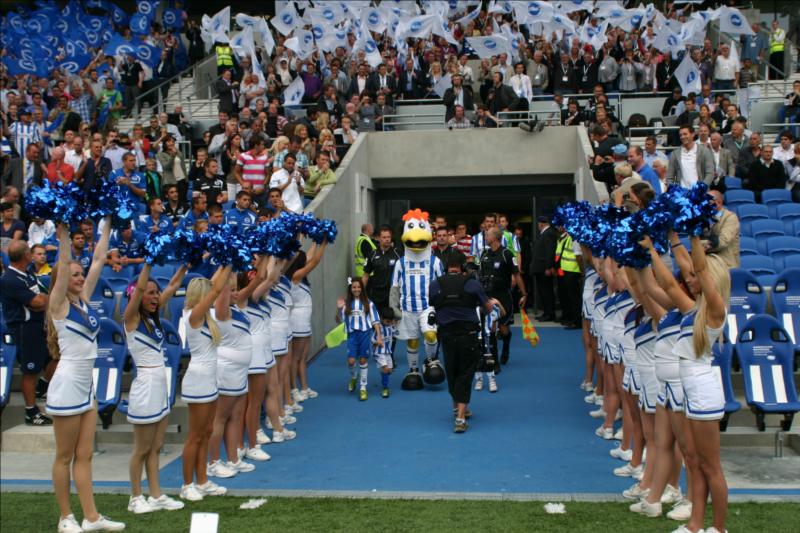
{"x": 754, "y": 47}
{"x": 153, "y": 180}
{"x": 587, "y": 71}
{"x": 630, "y": 71}
{"x": 790, "y": 111}
{"x": 726, "y": 75}
{"x": 749, "y": 155}
{"x": 126, "y": 248}
{"x": 691, "y": 162}
{"x": 765, "y": 173}
{"x": 521, "y": 84}
{"x": 132, "y": 182}
{"x": 23, "y": 172}
{"x": 132, "y": 78}
{"x": 24, "y": 132}
{"x": 115, "y": 149}
{"x": 777, "y": 42}
{"x": 660, "y": 167}
{"x": 651, "y": 153}
{"x": 229, "y": 157}
{"x": 320, "y": 176}
{"x": 176, "y": 207}
{"x": 39, "y": 265}
{"x": 792, "y": 168}
{"x": 346, "y": 132}
{"x": 57, "y": 170}
{"x": 220, "y": 126}
{"x": 564, "y": 76}
{"x": 543, "y": 268}
{"x": 636, "y": 160}
{"x": 228, "y": 92}
{"x": 329, "y": 101}
{"x": 785, "y": 150}
{"x": 382, "y": 109}
{"x": 366, "y": 114}
{"x": 97, "y": 168}
{"x": 735, "y": 141}
{"x": 171, "y": 129}
{"x": 671, "y": 103}
{"x": 358, "y": 83}
{"x": 723, "y": 162}
{"x": 198, "y": 211}
{"x": 240, "y": 216}
{"x": 73, "y": 153}
{"x": 291, "y": 184}
{"x": 723, "y": 237}
{"x": 312, "y": 83}
{"x": 78, "y": 250}
{"x": 11, "y": 229}
{"x": 82, "y": 101}
{"x": 276, "y": 122}
{"x": 383, "y": 83}
{"x": 459, "y": 121}
{"x": 156, "y": 220}
{"x": 603, "y": 166}
{"x": 172, "y": 166}
{"x": 458, "y": 94}
{"x": 211, "y": 185}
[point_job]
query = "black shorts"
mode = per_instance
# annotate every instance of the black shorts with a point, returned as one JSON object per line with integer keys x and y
{"x": 30, "y": 339}
{"x": 505, "y": 299}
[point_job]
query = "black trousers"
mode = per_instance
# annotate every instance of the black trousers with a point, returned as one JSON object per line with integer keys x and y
{"x": 462, "y": 355}
{"x": 569, "y": 292}
{"x": 547, "y": 297}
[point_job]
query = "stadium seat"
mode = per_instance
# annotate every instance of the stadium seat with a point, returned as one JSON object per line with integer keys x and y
{"x": 748, "y": 246}
{"x": 786, "y": 302}
{"x": 766, "y": 354}
{"x": 750, "y": 212}
{"x": 175, "y": 312}
{"x": 739, "y": 197}
{"x": 108, "y": 368}
{"x": 162, "y": 271}
{"x": 776, "y": 196}
{"x": 4, "y": 259}
{"x": 103, "y": 299}
{"x": 787, "y": 213}
{"x": 761, "y": 230}
{"x": 732, "y": 182}
{"x": 172, "y": 358}
{"x": 747, "y": 299}
{"x": 796, "y": 227}
{"x": 758, "y": 264}
{"x": 793, "y": 261}
{"x": 723, "y": 357}
{"x": 8, "y": 356}
{"x": 779, "y": 248}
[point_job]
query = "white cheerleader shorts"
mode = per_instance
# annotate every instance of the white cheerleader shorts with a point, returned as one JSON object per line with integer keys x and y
{"x": 649, "y": 388}
{"x": 631, "y": 382}
{"x": 300, "y": 321}
{"x": 414, "y": 324}
{"x": 705, "y": 399}
{"x": 611, "y": 353}
{"x": 199, "y": 383}
{"x": 148, "y": 401}
{"x": 262, "y": 358}
{"x": 71, "y": 390}
{"x": 279, "y": 334}
{"x": 670, "y": 394}
{"x": 232, "y": 368}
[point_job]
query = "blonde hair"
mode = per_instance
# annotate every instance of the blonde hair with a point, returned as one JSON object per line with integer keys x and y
{"x": 273, "y": 150}
{"x": 197, "y": 289}
{"x": 722, "y": 279}
{"x": 323, "y": 119}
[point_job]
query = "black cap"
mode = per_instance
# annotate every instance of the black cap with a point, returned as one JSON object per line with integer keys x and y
{"x": 543, "y": 219}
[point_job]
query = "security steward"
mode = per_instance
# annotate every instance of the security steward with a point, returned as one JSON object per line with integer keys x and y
{"x": 224, "y": 58}
{"x": 455, "y": 296}
{"x": 364, "y": 248}
{"x": 496, "y": 270}
{"x": 569, "y": 277}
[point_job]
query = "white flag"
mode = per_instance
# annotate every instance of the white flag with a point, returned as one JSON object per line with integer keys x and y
{"x": 216, "y": 28}
{"x": 733, "y": 22}
{"x": 442, "y": 29}
{"x": 442, "y": 85}
{"x": 417, "y": 27}
{"x": 688, "y": 75}
{"x": 486, "y": 47}
{"x": 532, "y": 12}
{"x": 373, "y": 19}
{"x": 243, "y": 45}
{"x": 267, "y": 41}
{"x": 244, "y": 20}
{"x": 294, "y": 93}
{"x": 668, "y": 41}
{"x": 472, "y": 15}
{"x": 287, "y": 19}
{"x": 302, "y": 43}
{"x": 373, "y": 55}
{"x": 575, "y": 5}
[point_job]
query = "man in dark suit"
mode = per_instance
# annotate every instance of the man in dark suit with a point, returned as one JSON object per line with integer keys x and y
{"x": 501, "y": 97}
{"x": 543, "y": 267}
{"x": 411, "y": 82}
{"x": 359, "y": 82}
{"x": 458, "y": 94}
{"x": 329, "y": 102}
{"x": 24, "y": 172}
{"x": 563, "y": 76}
{"x": 228, "y": 92}
{"x": 382, "y": 82}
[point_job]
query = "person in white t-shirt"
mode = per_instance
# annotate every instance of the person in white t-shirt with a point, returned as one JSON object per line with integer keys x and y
{"x": 291, "y": 184}
{"x": 785, "y": 150}
{"x": 726, "y": 73}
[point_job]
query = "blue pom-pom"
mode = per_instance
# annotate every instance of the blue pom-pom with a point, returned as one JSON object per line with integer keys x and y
{"x": 40, "y": 202}
{"x": 324, "y": 229}
{"x": 692, "y": 210}
{"x": 282, "y": 241}
{"x": 227, "y": 247}
{"x": 187, "y": 246}
{"x": 108, "y": 198}
{"x": 158, "y": 248}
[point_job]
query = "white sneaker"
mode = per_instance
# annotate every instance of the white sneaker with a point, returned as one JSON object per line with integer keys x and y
{"x": 628, "y": 470}
{"x": 261, "y": 437}
{"x": 139, "y": 505}
{"x": 68, "y": 524}
{"x": 288, "y": 409}
{"x": 598, "y": 413}
{"x": 492, "y": 385}
{"x": 280, "y": 436}
{"x": 618, "y": 434}
{"x": 240, "y": 453}
{"x": 269, "y": 423}
{"x": 591, "y": 398}
{"x": 190, "y": 492}
{"x": 681, "y": 511}
{"x": 164, "y": 503}
{"x": 604, "y": 432}
{"x": 622, "y": 455}
{"x": 587, "y": 386}
{"x": 219, "y": 469}
{"x": 211, "y": 489}
{"x": 310, "y": 393}
{"x": 635, "y": 492}
{"x": 646, "y": 508}
{"x": 297, "y": 408}
{"x": 241, "y": 466}
{"x": 102, "y": 524}
{"x": 684, "y": 529}
{"x": 618, "y": 416}
{"x": 297, "y": 396}
{"x": 671, "y": 495}
{"x": 479, "y": 384}
{"x": 257, "y": 454}
{"x": 288, "y": 419}
{"x": 712, "y": 529}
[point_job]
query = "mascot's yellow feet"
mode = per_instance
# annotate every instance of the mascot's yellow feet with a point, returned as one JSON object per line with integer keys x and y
{"x": 385, "y": 393}
{"x": 362, "y": 394}
{"x": 351, "y": 385}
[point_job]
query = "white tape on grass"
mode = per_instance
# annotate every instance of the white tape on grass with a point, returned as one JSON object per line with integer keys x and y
{"x": 555, "y": 508}
{"x": 253, "y": 503}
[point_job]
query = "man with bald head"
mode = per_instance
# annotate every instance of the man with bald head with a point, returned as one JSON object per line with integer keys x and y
{"x": 24, "y": 304}
{"x": 723, "y": 237}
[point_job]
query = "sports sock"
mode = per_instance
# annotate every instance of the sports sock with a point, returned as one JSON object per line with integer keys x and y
{"x": 506, "y": 342}
{"x": 490, "y": 374}
{"x": 363, "y": 371}
{"x": 352, "y": 369}
{"x": 430, "y": 349}
{"x": 384, "y": 380}
{"x": 479, "y": 376}
{"x": 41, "y": 386}
{"x": 413, "y": 357}
{"x": 30, "y": 411}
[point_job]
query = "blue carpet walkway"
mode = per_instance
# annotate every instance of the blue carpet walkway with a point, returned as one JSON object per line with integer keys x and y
{"x": 533, "y": 436}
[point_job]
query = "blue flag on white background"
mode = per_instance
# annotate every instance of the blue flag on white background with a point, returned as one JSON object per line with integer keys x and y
{"x": 294, "y": 93}
{"x": 688, "y": 75}
{"x": 286, "y": 20}
{"x": 486, "y": 47}
{"x": 733, "y": 22}
{"x": 442, "y": 85}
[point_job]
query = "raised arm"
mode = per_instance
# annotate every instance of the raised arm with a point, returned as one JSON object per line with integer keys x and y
{"x": 57, "y": 305}
{"x": 265, "y": 283}
{"x": 98, "y": 260}
{"x": 666, "y": 280}
{"x": 218, "y": 282}
{"x": 714, "y": 300}
{"x": 131, "y": 315}
{"x": 172, "y": 287}
{"x": 222, "y": 305}
{"x": 243, "y": 295}
{"x": 681, "y": 255}
{"x": 314, "y": 257}
{"x": 655, "y": 300}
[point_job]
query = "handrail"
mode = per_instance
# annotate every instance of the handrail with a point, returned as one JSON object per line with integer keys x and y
{"x": 140, "y": 99}
{"x": 417, "y": 101}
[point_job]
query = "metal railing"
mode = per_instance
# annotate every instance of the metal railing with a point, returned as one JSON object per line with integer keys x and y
{"x": 428, "y": 119}
{"x": 510, "y": 118}
{"x": 191, "y": 105}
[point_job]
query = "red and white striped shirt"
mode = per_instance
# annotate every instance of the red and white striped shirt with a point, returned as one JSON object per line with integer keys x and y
{"x": 254, "y": 168}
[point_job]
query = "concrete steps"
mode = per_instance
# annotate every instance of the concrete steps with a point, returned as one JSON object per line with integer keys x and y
{"x": 22, "y": 438}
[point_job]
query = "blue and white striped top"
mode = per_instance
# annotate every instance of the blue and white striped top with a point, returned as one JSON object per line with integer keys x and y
{"x": 388, "y": 333}
{"x": 668, "y": 329}
{"x": 236, "y": 332}
{"x": 146, "y": 347}
{"x": 77, "y": 333}
{"x": 414, "y": 279}
{"x": 257, "y": 316}
{"x": 24, "y": 134}
{"x": 301, "y": 294}
{"x": 645, "y": 339}
{"x": 684, "y": 346}
{"x": 359, "y": 319}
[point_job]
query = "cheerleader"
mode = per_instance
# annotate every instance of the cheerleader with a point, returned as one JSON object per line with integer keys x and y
{"x": 589, "y": 347}
{"x": 72, "y": 340}
{"x": 601, "y": 296}
{"x": 360, "y": 316}
{"x": 199, "y": 385}
{"x": 300, "y": 317}
{"x": 280, "y": 302}
{"x": 383, "y": 352}
{"x": 148, "y": 400}
{"x": 234, "y": 355}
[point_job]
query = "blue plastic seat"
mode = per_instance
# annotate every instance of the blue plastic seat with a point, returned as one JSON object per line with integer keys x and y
{"x": 793, "y": 261}
{"x": 766, "y": 280}
{"x": 747, "y": 299}
{"x": 103, "y": 299}
{"x": 766, "y": 354}
{"x": 786, "y": 302}
{"x": 776, "y": 196}
{"x": 162, "y": 271}
{"x": 796, "y": 228}
{"x": 758, "y": 264}
{"x": 748, "y": 246}
{"x": 787, "y": 213}
{"x": 752, "y": 212}
{"x": 723, "y": 357}
{"x": 732, "y": 182}
{"x": 8, "y": 356}
{"x": 108, "y": 368}
{"x": 761, "y": 230}
{"x": 779, "y": 248}
{"x": 738, "y": 197}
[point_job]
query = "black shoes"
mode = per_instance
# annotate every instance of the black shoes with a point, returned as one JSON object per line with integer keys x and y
{"x": 38, "y": 420}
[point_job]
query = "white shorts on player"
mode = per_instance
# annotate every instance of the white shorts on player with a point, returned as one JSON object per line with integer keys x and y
{"x": 413, "y": 325}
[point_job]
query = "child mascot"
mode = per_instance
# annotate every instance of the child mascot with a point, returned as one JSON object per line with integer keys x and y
{"x": 408, "y": 299}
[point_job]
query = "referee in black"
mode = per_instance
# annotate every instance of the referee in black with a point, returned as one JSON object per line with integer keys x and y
{"x": 379, "y": 268}
{"x": 497, "y": 271}
{"x": 456, "y": 296}
{"x": 24, "y": 307}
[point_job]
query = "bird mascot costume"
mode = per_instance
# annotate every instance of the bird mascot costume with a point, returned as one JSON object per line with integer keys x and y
{"x": 408, "y": 299}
